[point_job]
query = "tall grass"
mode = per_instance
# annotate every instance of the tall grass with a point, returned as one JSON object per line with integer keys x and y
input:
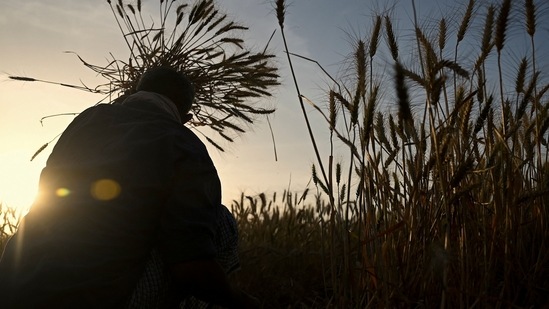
{"x": 441, "y": 204}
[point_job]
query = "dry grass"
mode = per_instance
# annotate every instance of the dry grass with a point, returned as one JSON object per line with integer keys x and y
{"x": 9, "y": 218}
{"x": 284, "y": 252}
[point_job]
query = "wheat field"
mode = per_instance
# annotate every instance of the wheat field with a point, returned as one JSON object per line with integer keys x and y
{"x": 441, "y": 200}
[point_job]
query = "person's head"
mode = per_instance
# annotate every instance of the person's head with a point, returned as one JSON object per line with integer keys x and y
{"x": 170, "y": 83}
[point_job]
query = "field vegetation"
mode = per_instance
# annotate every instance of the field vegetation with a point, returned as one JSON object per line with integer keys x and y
{"x": 441, "y": 203}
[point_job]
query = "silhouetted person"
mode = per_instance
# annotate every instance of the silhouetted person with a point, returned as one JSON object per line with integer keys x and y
{"x": 123, "y": 181}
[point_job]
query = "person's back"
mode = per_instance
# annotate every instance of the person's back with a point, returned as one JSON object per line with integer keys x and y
{"x": 122, "y": 179}
{"x": 102, "y": 195}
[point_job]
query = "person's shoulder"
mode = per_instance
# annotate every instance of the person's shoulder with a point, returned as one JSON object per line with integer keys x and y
{"x": 188, "y": 135}
{"x": 100, "y": 108}
{"x": 189, "y": 141}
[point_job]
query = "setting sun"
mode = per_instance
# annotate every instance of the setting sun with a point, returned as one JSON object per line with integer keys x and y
{"x": 19, "y": 181}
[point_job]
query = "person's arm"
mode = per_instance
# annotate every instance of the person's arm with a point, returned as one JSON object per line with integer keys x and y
{"x": 188, "y": 227}
{"x": 206, "y": 280}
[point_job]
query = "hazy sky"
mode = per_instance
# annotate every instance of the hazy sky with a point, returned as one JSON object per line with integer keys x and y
{"x": 34, "y": 35}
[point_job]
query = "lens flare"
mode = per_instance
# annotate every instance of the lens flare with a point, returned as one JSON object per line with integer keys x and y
{"x": 62, "y": 192}
{"x": 105, "y": 189}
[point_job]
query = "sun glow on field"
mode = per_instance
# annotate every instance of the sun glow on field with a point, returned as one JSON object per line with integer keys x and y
{"x": 18, "y": 180}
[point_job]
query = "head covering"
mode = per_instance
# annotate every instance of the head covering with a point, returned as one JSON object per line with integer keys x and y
{"x": 170, "y": 83}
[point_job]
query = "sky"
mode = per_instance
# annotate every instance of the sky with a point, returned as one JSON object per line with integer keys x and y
{"x": 34, "y": 36}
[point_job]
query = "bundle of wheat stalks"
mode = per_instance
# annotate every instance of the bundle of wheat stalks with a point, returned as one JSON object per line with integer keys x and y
{"x": 199, "y": 39}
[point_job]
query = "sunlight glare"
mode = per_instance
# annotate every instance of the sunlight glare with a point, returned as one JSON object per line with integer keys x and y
{"x": 18, "y": 180}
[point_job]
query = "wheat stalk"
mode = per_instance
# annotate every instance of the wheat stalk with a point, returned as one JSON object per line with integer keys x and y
{"x": 391, "y": 39}
{"x": 465, "y": 21}
{"x": 442, "y": 30}
{"x": 499, "y": 41}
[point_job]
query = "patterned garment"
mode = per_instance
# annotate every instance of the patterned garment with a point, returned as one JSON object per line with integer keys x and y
{"x": 152, "y": 289}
